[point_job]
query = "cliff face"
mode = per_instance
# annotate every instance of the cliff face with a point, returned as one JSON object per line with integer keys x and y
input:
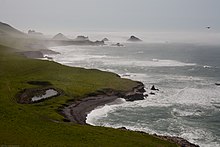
{"x": 137, "y": 93}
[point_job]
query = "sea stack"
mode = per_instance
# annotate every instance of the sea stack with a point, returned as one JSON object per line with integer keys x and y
{"x": 134, "y": 39}
{"x": 60, "y": 36}
{"x": 105, "y": 39}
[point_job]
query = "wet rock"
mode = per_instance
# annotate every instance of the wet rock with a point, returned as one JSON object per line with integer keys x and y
{"x": 153, "y": 88}
{"x": 152, "y": 93}
{"x": 134, "y": 96}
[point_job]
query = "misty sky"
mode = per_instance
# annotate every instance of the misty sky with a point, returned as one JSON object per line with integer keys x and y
{"x": 111, "y": 15}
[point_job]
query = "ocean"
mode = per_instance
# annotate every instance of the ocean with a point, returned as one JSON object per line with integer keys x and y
{"x": 187, "y": 104}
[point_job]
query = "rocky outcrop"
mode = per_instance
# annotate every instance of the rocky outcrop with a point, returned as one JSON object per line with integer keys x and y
{"x": 81, "y": 38}
{"x": 134, "y": 39}
{"x": 60, "y": 36}
{"x": 152, "y": 93}
{"x": 105, "y": 39}
{"x": 118, "y": 45}
{"x": 136, "y": 94}
{"x": 97, "y": 42}
{"x": 78, "y": 110}
{"x": 153, "y": 88}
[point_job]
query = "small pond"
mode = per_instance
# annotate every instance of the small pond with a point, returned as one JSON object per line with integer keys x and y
{"x": 48, "y": 93}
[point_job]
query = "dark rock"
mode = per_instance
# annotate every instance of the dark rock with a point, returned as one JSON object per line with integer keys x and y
{"x": 145, "y": 95}
{"x": 66, "y": 120}
{"x": 99, "y": 42}
{"x": 152, "y": 93}
{"x": 153, "y": 88}
{"x": 198, "y": 111}
{"x": 48, "y": 58}
{"x": 105, "y": 39}
{"x": 134, "y": 39}
{"x": 217, "y": 84}
{"x": 123, "y": 128}
{"x": 118, "y": 44}
{"x": 136, "y": 94}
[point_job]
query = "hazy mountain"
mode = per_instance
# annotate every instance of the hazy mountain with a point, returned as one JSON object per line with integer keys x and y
{"x": 6, "y": 29}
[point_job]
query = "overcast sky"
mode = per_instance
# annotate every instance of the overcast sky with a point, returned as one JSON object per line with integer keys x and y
{"x": 111, "y": 15}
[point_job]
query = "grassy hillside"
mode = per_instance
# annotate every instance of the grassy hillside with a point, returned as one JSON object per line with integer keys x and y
{"x": 41, "y": 124}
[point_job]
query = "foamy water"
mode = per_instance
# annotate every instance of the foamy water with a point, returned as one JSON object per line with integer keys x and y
{"x": 187, "y": 104}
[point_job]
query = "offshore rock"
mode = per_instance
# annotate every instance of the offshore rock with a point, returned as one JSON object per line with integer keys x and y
{"x": 134, "y": 39}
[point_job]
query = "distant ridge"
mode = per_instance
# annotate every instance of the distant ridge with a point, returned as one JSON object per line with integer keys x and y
{"x": 60, "y": 36}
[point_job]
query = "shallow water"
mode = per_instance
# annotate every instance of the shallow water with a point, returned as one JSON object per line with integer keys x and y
{"x": 48, "y": 93}
{"x": 188, "y": 103}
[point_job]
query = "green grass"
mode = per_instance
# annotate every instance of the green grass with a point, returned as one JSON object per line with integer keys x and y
{"x": 40, "y": 124}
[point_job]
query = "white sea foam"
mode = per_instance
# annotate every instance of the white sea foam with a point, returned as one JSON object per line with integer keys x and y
{"x": 196, "y": 135}
{"x": 184, "y": 96}
{"x": 150, "y": 63}
{"x": 103, "y": 111}
{"x": 78, "y": 54}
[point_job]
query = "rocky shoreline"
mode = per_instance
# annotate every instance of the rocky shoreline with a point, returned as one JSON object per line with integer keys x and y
{"x": 77, "y": 111}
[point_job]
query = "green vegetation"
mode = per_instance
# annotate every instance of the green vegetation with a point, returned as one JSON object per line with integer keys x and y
{"x": 40, "y": 123}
